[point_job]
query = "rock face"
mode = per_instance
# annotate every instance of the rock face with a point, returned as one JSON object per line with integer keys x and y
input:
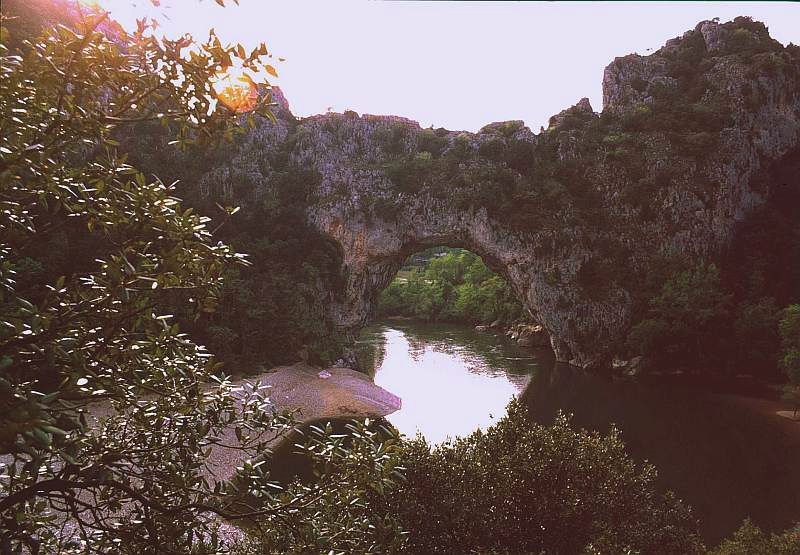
{"x": 574, "y": 218}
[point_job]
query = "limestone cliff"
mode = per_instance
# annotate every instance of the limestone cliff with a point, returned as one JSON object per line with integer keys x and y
{"x": 576, "y": 217}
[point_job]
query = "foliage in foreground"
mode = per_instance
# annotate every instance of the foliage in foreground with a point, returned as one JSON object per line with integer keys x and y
{"x": 519, "y": 487}
{"x": 351, "y": 468}
{"x": 108, "y": 412}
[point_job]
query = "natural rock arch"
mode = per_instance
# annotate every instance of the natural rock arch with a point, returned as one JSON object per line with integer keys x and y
{"x": 373, "y": 252}
{"x": 575, "y": 217}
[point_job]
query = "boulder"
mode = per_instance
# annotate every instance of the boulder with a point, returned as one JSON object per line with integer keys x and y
{"x": 533, "y": 336}
{"x": 630, "y": 368}
{"x": 619, "y": 364}
{"x": 525, "y": 342}
{"x": 635, "y": 366}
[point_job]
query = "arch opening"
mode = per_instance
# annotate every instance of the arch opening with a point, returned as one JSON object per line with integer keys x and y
{"x": 450, "y": 284}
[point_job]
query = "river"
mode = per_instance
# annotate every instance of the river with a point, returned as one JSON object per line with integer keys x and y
{"x": 718, "y": 452}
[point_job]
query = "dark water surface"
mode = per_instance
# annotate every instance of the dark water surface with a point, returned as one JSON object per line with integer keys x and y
{"x": 721, "y": 455}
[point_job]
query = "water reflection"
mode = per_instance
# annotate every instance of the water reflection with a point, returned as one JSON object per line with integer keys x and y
{"x": 724, "y": 457}
{"x": 449, "y": 385}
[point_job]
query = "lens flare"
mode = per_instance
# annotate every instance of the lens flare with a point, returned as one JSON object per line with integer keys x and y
{"x": 236, "y": 90}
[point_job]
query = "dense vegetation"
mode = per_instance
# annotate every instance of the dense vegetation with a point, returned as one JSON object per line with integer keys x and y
{"x": 525, "y": 488}
{"x": 108, "y": 412}
{"x": 751, "y": 540}
{"x": 726, "y": 319}
{"x": 790, "y": 353}
{"x": 451, "y": 285}
{"x": 270, "y": 311}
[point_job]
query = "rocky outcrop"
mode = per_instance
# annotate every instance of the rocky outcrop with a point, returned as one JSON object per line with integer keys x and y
{"x": 533, "y": 336}
{"x": 630, "y": 368}
{"x": 632, "y": 79}
{"x": 576, "y": 217}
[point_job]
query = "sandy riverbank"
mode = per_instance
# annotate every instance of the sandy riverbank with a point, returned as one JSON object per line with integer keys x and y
{"x": 778, "y": 411}
{"x": 332, "y": 392}
{"x": 311, "y": 393}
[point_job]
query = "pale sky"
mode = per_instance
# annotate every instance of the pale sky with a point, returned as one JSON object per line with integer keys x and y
{"x": 458, "y": 65}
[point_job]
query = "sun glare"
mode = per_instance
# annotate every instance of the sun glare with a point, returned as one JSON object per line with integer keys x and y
{"x": 236, "y": 90}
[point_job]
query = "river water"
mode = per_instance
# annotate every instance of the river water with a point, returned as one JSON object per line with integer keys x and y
{"x": 719, "y": 453}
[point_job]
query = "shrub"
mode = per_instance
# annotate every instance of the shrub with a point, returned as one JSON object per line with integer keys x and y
{"x": 492, "y": 149}
{"x": 519, "y": 155}
{"x": 616, "y": 138}
{"x": 430, "y": 141}
{"x": 409, "y": 173}
{"x": 338, "y": 505}
{"x": 461, "y": 148}
{"x": 596, "y": 275}
{"x": 790, "y": 341}
{"x": 393, "y": 137}
{"x": 756, "y": 333}
{"x": 521, "y": 487}
{"x": 699, "y": 144}
{"x": 386, "y": 208}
